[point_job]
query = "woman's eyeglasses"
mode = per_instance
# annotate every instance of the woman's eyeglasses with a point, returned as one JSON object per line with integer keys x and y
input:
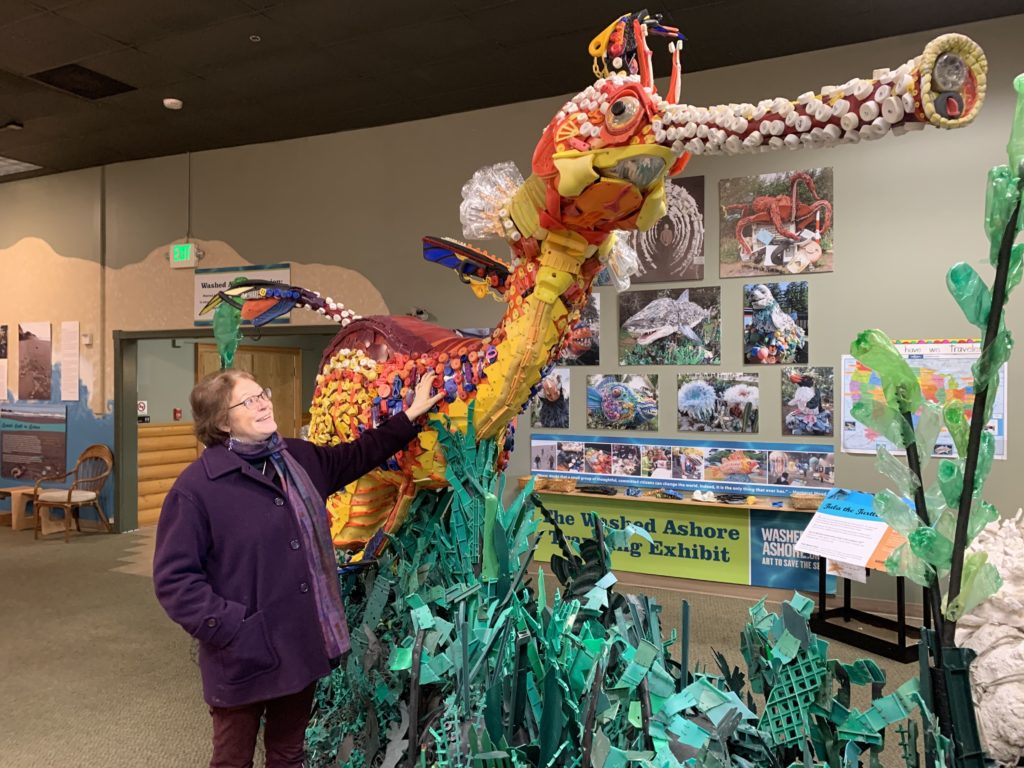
{"x": 252, "y": 403}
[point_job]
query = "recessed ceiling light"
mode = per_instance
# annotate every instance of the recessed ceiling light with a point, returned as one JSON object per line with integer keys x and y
{"x": 254, "y": 38}
{"x": 11, "y": 125}
{"x": 172, "y": 103}
{"x": 9, "y": 167}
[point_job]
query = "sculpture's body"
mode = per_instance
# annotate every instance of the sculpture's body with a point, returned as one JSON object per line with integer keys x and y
{"x": 600, "y": 166}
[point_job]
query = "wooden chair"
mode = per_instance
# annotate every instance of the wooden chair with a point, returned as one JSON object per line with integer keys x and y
{"x": 91, "y": 471}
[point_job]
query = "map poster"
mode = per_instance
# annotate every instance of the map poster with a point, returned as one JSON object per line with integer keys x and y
{"x": 944, "y": 371}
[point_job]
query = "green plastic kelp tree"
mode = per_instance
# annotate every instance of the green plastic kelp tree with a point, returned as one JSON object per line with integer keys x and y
{"x": 461, "y": 658}
{"x": 227, "y": 329}
{"x": 947, "y": 515}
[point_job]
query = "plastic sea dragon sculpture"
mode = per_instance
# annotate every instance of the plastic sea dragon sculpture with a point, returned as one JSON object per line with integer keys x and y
{"x": 600, "y": 167}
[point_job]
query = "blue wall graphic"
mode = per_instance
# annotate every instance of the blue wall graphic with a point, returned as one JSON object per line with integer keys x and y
{"x": 84, "y": 428}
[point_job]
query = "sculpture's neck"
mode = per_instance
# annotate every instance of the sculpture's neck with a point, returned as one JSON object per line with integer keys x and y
{"x": 550, "y": 285}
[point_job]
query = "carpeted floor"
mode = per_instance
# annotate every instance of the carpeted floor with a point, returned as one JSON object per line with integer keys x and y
{"x": 93, "y": 674}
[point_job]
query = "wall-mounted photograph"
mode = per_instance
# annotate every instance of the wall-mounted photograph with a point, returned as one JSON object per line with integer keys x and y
{"x": 656, "y": 461}
{"x": 673, "y": 249}
{"x": 687, "y": 463}
{"x": 35, "y": 361}
{"x": 570, "y": 457}
{"x": 543, "y": 456}
{"x": 809, "y": 470}
{"x": 626, "y": 460}
{"x": 808, "y": 402}
{"x": 717, "y": 402}
{"x": 775, "y": 323}
{"x": 583, "y": 345}
{"x": 776, "y": 224}
{"x": 597, "y": 458}
{"x": 735, "y": 466}
{"x": 670, "y": 326}
{"x": 622, "y": 402}
{"x": 550, "y": 409}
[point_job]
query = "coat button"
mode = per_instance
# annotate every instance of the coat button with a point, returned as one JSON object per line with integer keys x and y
{"x": 211, "y": 622}
{"x": 303, "y": 587}
{"x": 278, "y": 501}
{"x": 294, "y": 543}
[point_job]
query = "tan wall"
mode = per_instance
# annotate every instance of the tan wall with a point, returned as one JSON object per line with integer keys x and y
{"x": 348, "y": 209}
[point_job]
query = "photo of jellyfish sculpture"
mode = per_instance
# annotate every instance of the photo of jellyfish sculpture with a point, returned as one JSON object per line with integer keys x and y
{"x": 453, "y": 656}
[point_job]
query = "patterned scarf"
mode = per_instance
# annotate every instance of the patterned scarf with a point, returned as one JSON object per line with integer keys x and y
{"x": 311, "y": 516}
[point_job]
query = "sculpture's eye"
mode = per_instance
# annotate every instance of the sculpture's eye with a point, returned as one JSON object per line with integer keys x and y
{"x": 623, "y": 111}
{"x": 950, "y": 72}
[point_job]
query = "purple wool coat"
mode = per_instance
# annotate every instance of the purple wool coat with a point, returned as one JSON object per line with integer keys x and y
{"x": 229, "y": 566}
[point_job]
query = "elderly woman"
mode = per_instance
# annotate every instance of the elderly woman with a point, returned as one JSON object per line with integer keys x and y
{"x": 244, "y": 561}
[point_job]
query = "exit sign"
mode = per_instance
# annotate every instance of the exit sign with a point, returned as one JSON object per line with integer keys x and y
{"x": 183, "y": 256}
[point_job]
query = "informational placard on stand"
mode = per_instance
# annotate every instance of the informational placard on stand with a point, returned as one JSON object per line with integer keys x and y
{"x": 846, "y": 529}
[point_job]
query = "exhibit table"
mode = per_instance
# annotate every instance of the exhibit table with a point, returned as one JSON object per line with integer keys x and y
{"x": 750, "y": 543}
{"x": 20, "y": 495}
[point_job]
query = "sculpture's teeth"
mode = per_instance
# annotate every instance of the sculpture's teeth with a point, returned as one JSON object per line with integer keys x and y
{"x": 863, "y": 89}
{"x": 892, "y": 109}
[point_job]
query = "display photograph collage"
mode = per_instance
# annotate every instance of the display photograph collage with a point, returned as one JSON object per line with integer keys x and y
{"x": 774, "y": 229}
{"x": 648, "y": 459}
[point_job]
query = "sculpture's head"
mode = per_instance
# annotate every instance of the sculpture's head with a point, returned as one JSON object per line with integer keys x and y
{"x": 604, "y": 157}
{"x": 761, "y": 297}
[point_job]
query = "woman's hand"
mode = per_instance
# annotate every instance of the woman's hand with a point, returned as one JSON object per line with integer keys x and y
{"x": 423, "y": 401}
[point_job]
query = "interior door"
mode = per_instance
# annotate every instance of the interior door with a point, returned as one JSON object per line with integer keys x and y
{"x": 279, "y": 368}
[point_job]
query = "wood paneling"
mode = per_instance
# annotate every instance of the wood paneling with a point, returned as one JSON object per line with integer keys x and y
{"x": 165, "y": 450}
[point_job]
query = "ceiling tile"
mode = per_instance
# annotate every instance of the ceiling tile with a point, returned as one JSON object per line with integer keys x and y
{"x": 135, "y": 68}
{"x": 327, "y": 22}
{"x": 134, "y": 23}
{"x": 52, "y": 5}
{"x": 16, "y": 10}
{"x": 25, "y": 100}
{"x": 60, "y": 155}
{"x": 202, "y": 51}
{"x": 85, "y": 117}
{"x": 47, "y": 41}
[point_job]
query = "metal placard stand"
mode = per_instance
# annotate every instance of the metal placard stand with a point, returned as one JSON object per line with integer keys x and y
{"x": 897, "y": 651}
